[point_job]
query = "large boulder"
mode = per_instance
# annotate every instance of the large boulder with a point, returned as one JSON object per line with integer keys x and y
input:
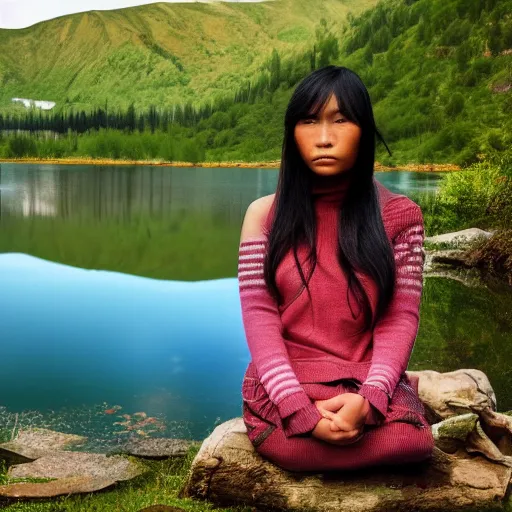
{"x": 228, "y": 471}
{"x": 459, "y": 238}
{"x": 452, "y": 393}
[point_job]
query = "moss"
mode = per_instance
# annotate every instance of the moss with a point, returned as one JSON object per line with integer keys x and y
{"x": 29, "y": 480}
{"x": 458, "y": 429}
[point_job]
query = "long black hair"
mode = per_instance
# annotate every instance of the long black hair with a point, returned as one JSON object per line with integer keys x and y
{"x": 364, "y": 246}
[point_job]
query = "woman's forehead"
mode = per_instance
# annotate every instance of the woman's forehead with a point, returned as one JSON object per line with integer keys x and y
{"x": 328, "y": 107}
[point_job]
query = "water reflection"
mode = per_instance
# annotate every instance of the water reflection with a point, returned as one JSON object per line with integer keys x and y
{"x": 121, "y": 192}
{"x": 125, "y": 192}
{"x": 145, "y": 220}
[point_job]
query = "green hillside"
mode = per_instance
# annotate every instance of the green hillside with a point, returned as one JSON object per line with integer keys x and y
{"x": 439, "y": 74}
{"x": 156, "y": 54}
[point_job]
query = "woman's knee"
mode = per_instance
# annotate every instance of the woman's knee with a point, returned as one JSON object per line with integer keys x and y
{"x": 411, "y": 442}
{"x": 281, "y": 451}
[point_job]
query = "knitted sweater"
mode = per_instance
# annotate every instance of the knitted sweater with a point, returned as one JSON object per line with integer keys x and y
{"x": 303, "y": 341}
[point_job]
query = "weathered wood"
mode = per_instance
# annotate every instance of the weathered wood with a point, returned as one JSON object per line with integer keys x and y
{"x": 227, "y": 470}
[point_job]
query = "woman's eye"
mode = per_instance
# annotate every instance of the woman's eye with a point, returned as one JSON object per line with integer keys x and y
{"x": 341, "y": 120}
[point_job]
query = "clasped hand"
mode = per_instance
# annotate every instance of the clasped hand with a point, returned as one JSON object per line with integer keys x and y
{"x": 343, "y": 418}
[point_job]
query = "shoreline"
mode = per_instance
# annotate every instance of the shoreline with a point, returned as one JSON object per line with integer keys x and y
{"x": 243, "y": 165}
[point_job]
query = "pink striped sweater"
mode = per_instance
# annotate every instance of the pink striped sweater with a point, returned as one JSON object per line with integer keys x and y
{"x": 303, "y": 341}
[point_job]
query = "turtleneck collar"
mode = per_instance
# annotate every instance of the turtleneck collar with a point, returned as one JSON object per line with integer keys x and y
{"x": 330, "y": 188}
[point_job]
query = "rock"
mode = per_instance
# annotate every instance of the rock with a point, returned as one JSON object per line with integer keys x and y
{"x": 452, "y": 393}
{"x": 242, "y": 476}
{"x": 459, "y": 238}
{"x": 470, "y": 278}
{"x": 497, "y": 428}
{"x": 78, "y": 464}
{"x": 156, "y": 448}
{"x": 72, "y": 485}
{"x": 33, "y": 443}
{"x": 449, "y": 257}
{"x": 473, "y": 433}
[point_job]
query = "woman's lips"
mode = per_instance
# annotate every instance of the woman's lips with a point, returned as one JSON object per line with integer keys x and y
{"x": 325, "y": 160}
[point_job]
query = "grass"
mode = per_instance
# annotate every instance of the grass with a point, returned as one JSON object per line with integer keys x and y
{"x": 160, "y": 485}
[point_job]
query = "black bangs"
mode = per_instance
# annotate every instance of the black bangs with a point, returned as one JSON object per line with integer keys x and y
{"x": 314, "y": 95}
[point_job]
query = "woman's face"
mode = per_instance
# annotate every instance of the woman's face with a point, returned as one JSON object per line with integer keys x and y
{"x": 329, "y": 134}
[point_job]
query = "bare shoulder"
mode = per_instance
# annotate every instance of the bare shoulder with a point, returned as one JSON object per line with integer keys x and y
{"x": 255, "y": 217}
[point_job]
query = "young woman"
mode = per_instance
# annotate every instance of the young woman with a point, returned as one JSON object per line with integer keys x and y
{"x": 330, "y": 279}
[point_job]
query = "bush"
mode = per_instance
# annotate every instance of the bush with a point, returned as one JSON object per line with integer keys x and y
{"x": 455, "y": 105}
{"x": 500, "y": 205}
{"x": 20, "y": 146}
{"x": 480, "y": 196}
{"x": 467, "y": 194}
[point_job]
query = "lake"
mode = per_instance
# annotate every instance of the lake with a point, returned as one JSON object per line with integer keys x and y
{"x": 120, "y": 302}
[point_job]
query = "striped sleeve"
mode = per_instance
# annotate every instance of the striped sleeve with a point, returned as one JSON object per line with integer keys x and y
{"x": 395, "y": 333}
{"x": 263, "y": 330}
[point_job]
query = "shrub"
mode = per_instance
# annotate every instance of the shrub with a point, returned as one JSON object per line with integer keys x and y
{"x": 468, "y": 193}
{"x": 20, "y": 146}
{"x": 480, "y": 196}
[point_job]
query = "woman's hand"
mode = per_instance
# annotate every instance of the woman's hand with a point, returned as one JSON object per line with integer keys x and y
{"x": 348, "y": 411}
{"x": 323, "y": 431}
{"x": 344, "y": 417}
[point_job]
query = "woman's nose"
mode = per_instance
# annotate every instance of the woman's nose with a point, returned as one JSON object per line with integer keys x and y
{"x": 324, "y": 135}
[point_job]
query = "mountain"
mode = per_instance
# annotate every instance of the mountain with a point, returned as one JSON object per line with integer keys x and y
{"x": 159, "y": 53}
{"x": 438, "y": 73}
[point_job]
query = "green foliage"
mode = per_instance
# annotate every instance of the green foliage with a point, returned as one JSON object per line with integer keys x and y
{"x": 162, "y": 54}
{"x": 114, "y": 144}
{"x": 20, "y": 146}
{"x": 456, "y": 105}
{"x": 296, "y": 34}
{"x": 480, "y": 196}
{"x": 456, "y": 33}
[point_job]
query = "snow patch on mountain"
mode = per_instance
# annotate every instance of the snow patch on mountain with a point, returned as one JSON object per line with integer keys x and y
{"x": 43, "y": 105}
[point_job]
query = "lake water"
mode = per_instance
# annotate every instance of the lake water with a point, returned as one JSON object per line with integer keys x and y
{"x": 120, "y": 300}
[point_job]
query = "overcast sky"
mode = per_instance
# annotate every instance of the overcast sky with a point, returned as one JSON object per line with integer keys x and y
{"x": 23, "y": 13}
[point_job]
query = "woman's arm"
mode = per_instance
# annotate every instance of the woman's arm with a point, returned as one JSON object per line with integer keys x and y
{"x": 263, "y": 327}
{"x": 395, "y": 333}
